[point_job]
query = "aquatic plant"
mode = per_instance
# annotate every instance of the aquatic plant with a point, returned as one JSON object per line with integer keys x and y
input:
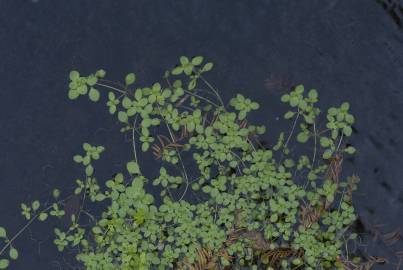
{"x": 222, "y": 199}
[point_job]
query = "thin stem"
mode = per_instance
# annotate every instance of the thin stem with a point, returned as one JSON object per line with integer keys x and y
{"x": 203, "y": 98}
{"x": 113, "y": 88}
{"x": 292, "y": 130}
{"x": 133, "y": 140}
{"x": 314, "y": 152}
{"x": 341, "y": 138}
{"x": 213, "y": 89}
{"x": 179, "y": 155}
{"x": 27, "y": 225}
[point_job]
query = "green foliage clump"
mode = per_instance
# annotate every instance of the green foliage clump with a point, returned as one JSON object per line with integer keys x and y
{"x": 224, "y": 199}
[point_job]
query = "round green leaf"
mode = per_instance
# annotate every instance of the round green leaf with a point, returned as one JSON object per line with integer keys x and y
{"x": 197, "y": 60}
{"x": 74, "y": 75}
{"x": 122, "y": 116}
{"x": 94, "y": 94}
{"x": 73, "y": 94}
{"x": 3, "y": 233}
{"x": 184, "y": 60}
{"x": 289, "y": 114}
{"x": 4, "y": 263}
{"x": 43, "y": 216}
{"x": 313, "y": 94}
{"x": 130, "y": 78}
{"x": 13, "y": 253}
{"x": 208, "y": 66}
{"x": 35, "y": 205}
{"x": 133, "y": 167}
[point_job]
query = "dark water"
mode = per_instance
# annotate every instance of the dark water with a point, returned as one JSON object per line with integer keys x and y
{"x": 348, "y": 50}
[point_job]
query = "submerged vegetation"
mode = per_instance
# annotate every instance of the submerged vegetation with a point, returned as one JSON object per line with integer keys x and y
{"x": 221, "y": 199}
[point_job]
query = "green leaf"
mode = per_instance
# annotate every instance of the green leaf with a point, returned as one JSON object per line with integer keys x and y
{"x": 207, "y": 67}
{"x": 96, "y": 230}
{"x": 13, "y": 253}
{"x": 313, "y": 94}
{"x": 197, "y": 60}
{"x": 294, "y": 101}
{"x": 94, "y": 94}
{"x": 3, "y": 233}
{"x": 130, "y": 78}
{"x": 4, "y": 263}
{"x": 347, "y": 130}
{"x": 35, "y": 205}
{"x": 350, "y": 150}
{"x": 299, "y": 89}
{"x": 100, "y": 197}
{"x": 302, "y": 137}
{"x": 145, "y": 146}
{"x": 122, "y": 116}
{"x": 73, "y": 94}
{"x": 91, "y": 80}
{"x": 184, "y": 60}
{"x": 132, "y": 167}
{"x": 78, "y": 159}
{"x": 285, "y": 98}
{"x": 325, "y": 142}
{"x": 74, "y": 75}
{"x": 177, "y": 70}
{"x": 349, "y": 119}
{"x": 100, "y": 73}
{"x": 192, "y": 84}
{"x": 289, "y": 114}
{"x": 345, "y": 106}
{"x": 89, "y": 170}
{"x": 43, "y": 216}
{"x": 327, "y": 154}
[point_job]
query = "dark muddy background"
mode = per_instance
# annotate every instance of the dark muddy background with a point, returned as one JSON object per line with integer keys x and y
{"x": 348, "y": 50}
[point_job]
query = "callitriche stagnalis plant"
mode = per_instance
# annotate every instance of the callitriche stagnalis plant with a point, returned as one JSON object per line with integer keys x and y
{"x": 221, "y": 199}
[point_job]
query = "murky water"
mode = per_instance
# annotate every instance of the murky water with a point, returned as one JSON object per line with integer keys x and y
{"x": 348, "y": 50}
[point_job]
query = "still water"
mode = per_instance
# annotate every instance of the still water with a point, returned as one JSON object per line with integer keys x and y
{"x": 348, "y": 50}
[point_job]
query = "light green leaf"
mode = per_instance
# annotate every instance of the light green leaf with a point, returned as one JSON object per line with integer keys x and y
{"x": 94, "y": 94}
{"x": 100, "y": 73}
{"x": 350, "y": 150}
{"x": 130, "y": 78}
{"x": 43, "y": 216}
{"x": 285, "y": 98}
{"x": 145, "y": 146}
{"x": 35, "y": 205}
{"x": 3, "y": 233}
{"x": 192, "y": 84}
{"x": 4, "y": 263}
{"x": 89, "y": 170}
{"x": 73, "y": 94}
{"x": 197, "y": 60}
{"x": 13, "y": 253}
{"x": 294, "y": 101}
{"x": 347, "y": 130}
{"x": 184, "y": 60}
{"x": 96, "y": 230}
{"x": 327, "y": 154}
{"x": 313, "y": 94}
{"x": 91, "y": 80}
{"x": 122, "y": 116}
{"x": 302, "y": 137}
{"x": 177, "y": 70}
{"x": 132, "y": 167}
{"x": 325, "y": 142}
{"x": 74, "y": 75}
{"x": 299, "y": 89}
{"x": 207, "y": 67}
{"x": 289, "y": 114}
